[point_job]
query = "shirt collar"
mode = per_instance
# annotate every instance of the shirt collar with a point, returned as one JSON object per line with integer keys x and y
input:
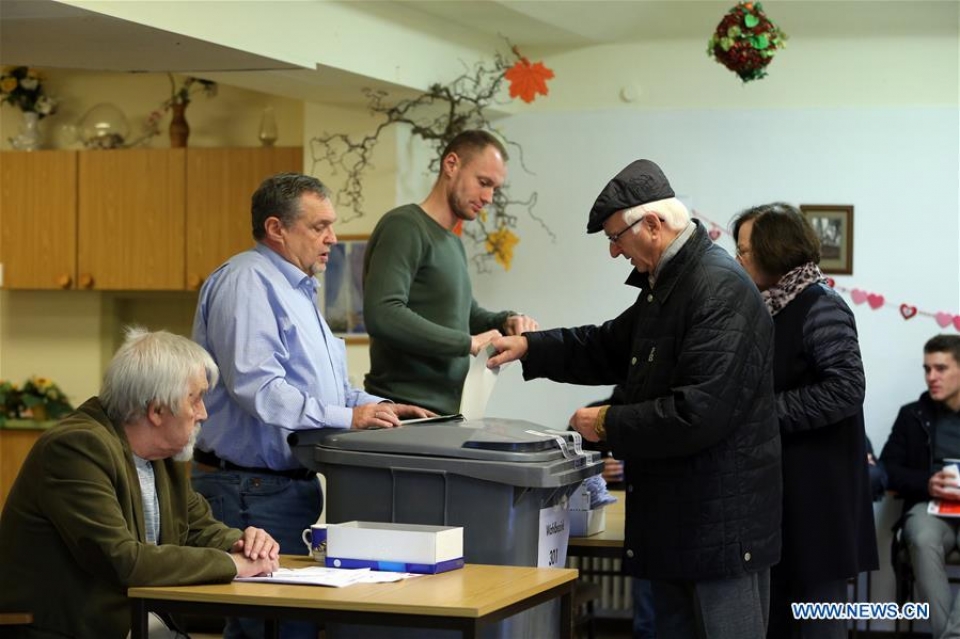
{"x": 296, "y": 277}
{"x": 672, "y": 249}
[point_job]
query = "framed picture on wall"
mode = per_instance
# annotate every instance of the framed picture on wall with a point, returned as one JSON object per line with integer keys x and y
{"x": 834, "y": 225}
{"x": 342, "y": 290}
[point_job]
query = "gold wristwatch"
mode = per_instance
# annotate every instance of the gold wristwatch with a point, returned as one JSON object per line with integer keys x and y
{"x": 600, "y": 427}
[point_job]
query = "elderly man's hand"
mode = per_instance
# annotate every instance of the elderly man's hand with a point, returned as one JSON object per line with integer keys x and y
{"x": 508, "y": 349}
{"x": 255, "y": 544}
{"x": 584, "y": 421}
{"x": 254, "y": 567}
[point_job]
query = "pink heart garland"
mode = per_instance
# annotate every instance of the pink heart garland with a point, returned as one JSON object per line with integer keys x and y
{"x": 944, "y": 319}
{"x": 908, "y": 311}
{"x": 831, "y": 282}
{"x": 714, "y": 234}
{"x": 875, "y": 300}
{"x": 859, "y": 297}
{"x": 956, "y": 322}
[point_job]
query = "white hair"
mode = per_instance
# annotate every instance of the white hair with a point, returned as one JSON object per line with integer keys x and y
{"x": 152, "y": 367}
{"x": 672, "y": 211}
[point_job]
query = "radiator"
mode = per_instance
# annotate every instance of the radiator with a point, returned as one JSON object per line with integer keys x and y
{"x": 615, "y": 599}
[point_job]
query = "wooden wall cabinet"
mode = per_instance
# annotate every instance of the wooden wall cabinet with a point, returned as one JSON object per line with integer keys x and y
{"x": 131, "y": 219}
{"x": 219, "y": 185}
{"x": 38, "y": 219}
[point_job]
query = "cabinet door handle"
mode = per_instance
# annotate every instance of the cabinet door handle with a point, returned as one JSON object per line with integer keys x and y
{"x": 194, "y": 282}
{"x": 64, "y": 281}
{"x": 86, "y": 280}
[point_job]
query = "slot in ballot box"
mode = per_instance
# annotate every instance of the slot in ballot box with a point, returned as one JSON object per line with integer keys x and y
{"x": 506, "y": 482}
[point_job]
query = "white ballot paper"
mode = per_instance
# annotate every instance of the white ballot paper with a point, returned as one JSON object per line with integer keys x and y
{"x": 335, "y": 577}
{"x": 479, "y": 384}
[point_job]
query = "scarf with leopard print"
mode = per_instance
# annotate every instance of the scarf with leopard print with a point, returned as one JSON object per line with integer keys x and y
{"x": 790, "y": 285}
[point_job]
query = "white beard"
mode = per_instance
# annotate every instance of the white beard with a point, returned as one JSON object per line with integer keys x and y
{"x": 186, "y": 453}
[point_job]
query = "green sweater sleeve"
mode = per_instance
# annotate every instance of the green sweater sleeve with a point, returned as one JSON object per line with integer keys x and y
{"x": 483, "y": 320}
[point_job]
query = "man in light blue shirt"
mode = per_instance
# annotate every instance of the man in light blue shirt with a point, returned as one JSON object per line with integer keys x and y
{"x": 282, "y": 370}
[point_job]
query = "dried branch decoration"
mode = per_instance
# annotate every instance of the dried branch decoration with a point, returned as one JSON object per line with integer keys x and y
{"x": 437, "y": 116}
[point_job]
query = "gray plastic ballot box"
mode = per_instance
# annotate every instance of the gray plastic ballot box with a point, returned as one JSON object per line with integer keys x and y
{"x": 491, "y": 476}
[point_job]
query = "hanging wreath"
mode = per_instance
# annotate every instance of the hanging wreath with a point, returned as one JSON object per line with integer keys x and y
{"x": 746, "y": 40}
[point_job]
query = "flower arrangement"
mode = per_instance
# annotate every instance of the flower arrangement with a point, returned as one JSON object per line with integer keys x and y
{"x": 39, "y": 398}
{"x": 189, "y": 86}
{"x": 9, "y": 399}
{"x": 746, "y": 40}
{"x": 22, "y": 87}
{"x": 178, "y": 96}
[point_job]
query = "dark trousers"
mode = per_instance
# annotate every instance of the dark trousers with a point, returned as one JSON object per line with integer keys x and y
{"x": 734, "y": 608}
{"x": 784, "y": 591}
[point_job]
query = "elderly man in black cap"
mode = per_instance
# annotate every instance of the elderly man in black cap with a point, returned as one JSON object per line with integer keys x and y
{"x": 699, "y": 429}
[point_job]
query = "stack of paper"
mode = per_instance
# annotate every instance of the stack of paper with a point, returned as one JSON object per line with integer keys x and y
{"x": 319, "y": 576}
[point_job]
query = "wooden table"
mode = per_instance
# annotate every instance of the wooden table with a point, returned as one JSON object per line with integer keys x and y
{"x": 609, "y": 542}
{"x": 463, "y": 600}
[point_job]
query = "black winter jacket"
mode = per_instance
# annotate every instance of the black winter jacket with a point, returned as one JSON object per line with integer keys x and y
{"x": 907, "y": 455}
{"x": 828, "y": 530}
{"x": 699, "y": 430}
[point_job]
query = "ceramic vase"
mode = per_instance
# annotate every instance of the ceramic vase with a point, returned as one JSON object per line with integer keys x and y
{"x": 179, "y": 129}
{"x": 268, "y": 127}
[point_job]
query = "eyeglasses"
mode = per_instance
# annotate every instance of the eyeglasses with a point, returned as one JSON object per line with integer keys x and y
{"x": 616, "y": 236}
{"x": 742, "y": 252}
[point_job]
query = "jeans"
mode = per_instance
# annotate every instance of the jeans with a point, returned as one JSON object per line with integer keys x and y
{"x": 644, "y": 626}
{"x": 281, "y": 506}
{"x": 734, "y": 608}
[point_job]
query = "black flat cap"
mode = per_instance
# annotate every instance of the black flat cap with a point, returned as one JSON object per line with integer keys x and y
{"x": 641, "y": 182}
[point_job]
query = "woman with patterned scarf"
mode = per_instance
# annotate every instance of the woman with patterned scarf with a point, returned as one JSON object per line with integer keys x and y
{"x": 828, "y": 529}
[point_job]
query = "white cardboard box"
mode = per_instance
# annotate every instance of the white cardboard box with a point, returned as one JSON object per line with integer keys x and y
{"x": 396, "y": 547}
{"x": 583, "y": 521}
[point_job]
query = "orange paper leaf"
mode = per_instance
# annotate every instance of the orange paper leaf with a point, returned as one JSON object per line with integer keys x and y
{"x": 527, "y": 80}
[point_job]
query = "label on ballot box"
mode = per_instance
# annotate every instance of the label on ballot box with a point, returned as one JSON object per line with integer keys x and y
{"x": 554, "y": 535}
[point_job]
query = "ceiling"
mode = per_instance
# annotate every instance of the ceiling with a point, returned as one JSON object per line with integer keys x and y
{"x": 570, "y": 24}
{"x": 47, "y": 33}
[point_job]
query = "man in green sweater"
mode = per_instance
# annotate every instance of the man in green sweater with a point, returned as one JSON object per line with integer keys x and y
{"x": 418, "y": 302}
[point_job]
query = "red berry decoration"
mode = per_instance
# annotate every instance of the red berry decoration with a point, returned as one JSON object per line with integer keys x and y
{"x": 746, "y": 40}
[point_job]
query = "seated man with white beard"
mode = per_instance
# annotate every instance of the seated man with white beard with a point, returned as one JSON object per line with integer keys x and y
{"x": 103, "y": 501}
